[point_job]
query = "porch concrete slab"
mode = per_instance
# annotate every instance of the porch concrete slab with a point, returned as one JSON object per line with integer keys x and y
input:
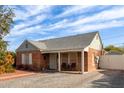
{"x": 71, "y": 72}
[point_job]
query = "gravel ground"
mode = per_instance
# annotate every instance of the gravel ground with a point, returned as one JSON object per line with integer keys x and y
{"x": 47, "y": 80}
{"x": 101, "y": 79}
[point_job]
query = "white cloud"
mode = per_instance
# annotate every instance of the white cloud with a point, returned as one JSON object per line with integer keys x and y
{"x": 44, "y": 38}
{"x": 74, "y": 10}
{"x": 57, "y": 25}
{"x": 29, "y": 11}
{"x": 105, "y": 15}
{"x": 24, "y": 27}
{"x": 97, "y": 27}
{"x": 18, "y": 31}
{"x": 33, "y": 10}
{"x": 101, "y": 20}
{"x": 27, "y": 23}
{"x": 33, "y": 29}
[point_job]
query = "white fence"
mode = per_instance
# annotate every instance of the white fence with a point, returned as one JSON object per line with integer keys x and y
{"x": 112, "y": 62}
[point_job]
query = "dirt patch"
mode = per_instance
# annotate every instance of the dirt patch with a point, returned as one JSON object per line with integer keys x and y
{"x": 16, "y": 74}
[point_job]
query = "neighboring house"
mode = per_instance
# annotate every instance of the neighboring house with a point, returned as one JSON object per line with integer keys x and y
{"x": 113, "y": 53}
{"x": 72, "y": 53}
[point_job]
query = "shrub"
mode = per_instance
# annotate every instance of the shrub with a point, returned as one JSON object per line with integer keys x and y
{"x": 9, "y": 68}
{"x": 6, "y": 66}
{"x": 2, "y": 69}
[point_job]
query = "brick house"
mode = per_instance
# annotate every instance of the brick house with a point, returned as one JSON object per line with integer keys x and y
{"x": 72, "y": 53}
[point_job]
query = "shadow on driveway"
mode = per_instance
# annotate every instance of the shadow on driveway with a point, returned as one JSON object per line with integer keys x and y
{"x": 110, "y": 79}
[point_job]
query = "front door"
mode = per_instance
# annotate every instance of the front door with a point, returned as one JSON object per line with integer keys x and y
{"x": 53, "y": 61}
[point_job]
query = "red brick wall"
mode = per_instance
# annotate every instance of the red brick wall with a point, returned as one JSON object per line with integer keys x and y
{"x": 18, "y": 59}
{"x": 38, "y": 61}
{"x": 85, "y": 61}
{"x": 91, "y": 65}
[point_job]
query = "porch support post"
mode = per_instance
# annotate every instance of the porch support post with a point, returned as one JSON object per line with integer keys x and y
{"x": 59, "y": 63}
{"x": 82, "y": 61}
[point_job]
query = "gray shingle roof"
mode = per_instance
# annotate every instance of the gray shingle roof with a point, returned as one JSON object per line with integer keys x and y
{"x": 70, "y": 42}
{"x": 38, "y": 44}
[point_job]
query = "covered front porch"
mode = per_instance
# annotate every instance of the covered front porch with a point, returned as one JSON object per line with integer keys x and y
{"x": 67, "y": 61}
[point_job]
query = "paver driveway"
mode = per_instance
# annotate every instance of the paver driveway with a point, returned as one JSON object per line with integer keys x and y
{"x": 64, "y": 80}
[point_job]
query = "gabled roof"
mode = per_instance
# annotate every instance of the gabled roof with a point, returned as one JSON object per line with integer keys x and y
{"x": 80, "y": 41}
{"x": 71, "y": 42}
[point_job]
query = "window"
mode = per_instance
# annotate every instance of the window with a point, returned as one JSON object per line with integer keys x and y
{"x": 23, "y": 58}
{"x": 30, "y": 58}
{"x": 27, "y": 59}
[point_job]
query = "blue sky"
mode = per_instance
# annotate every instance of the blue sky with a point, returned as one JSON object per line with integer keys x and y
{"x": 45, "y": 22}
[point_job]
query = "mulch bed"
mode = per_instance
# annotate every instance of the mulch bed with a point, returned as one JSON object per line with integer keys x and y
{"x": 16, "y": 74}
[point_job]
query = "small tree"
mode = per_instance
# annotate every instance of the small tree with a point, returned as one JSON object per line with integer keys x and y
{"x": 112, "y": 48}
{"x": 6, "y": 21}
